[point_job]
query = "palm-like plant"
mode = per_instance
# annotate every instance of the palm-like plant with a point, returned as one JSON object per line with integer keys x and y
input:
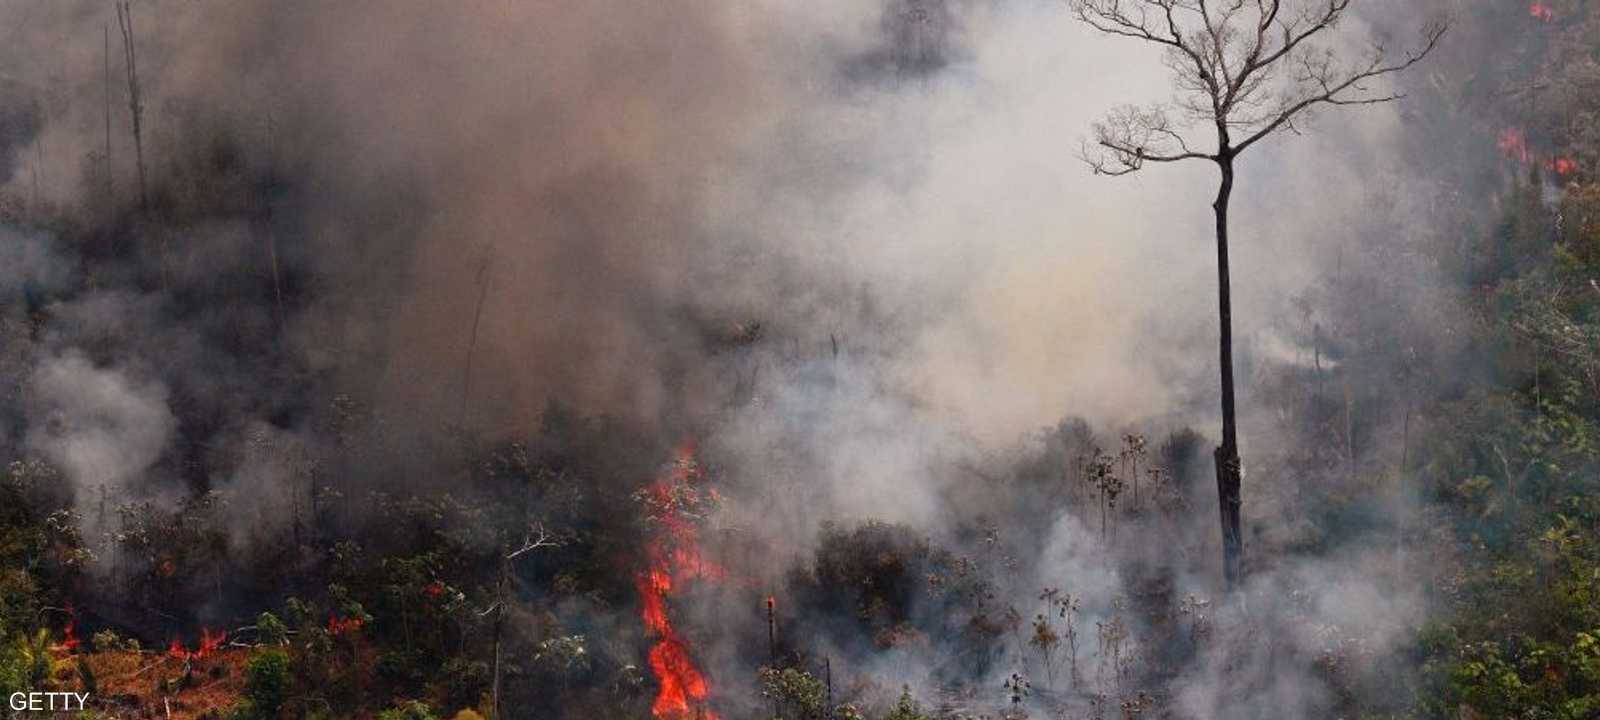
{"x": 33, "y": 650}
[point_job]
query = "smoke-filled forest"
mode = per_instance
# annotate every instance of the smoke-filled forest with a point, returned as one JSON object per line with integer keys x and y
{"x": 829, "y": 360}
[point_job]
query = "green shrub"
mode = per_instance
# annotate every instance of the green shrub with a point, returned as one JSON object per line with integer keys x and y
{"x": 797, "y": 692}
{"x": 13, "y": 668}
{"x": 106, "y": 640}
{"x": 33, "y": 651}
{"x": 907, "y": 708}
{"x": 270, "y": 630}
{"x": 462, "y": 681}
{"x": 267, "y": 683}
{"x": 412, "y": 710}
{"x": 401, "y": 666}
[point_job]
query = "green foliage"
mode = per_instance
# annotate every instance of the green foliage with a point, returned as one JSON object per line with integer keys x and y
{"x": 402, "y": 667}
{"x": 299, "y": 613}
{"x": 906, "y": 708}
{"x": 565, "y": 655}
{"x": 14, "y": 668}
{"x": 1519, "y": 469}
{"x": 34, "y": 658}
{"x": 410, "y": 710}
{"x": 271, "y": 630}
{"x": 463, "y": 681}
{"x": 797, "y": 694}
{"x": 1534, "y": 648}
{"x": 267, "y": 683}
{"x": 106, "y": 640}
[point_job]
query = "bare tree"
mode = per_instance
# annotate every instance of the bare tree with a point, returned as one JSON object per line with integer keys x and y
{"x": 111, "y": 203}
{"x": 1245, "y": 69}
{"x": 136, "y": 110}
{"x": 135, "y": 97}
{"x": 472, "y": 344}
{"x": 537, "y": 538}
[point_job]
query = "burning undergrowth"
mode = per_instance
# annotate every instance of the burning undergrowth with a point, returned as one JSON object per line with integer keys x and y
{"x": 676, "y": 505}
{"x": 384, "y": 319}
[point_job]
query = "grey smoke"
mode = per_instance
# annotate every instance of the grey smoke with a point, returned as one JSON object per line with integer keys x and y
{"x": 889, "y": 190}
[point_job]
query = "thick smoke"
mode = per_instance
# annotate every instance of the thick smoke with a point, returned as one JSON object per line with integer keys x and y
{"x": 848, "y": 245}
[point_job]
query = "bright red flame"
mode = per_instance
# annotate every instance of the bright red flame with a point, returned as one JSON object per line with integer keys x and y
{"x": 339, "y": 626}
{"x": 674, "y": 554}
{"x": 69, "y": 634}
{"x": 209, "y": 644}
{"x": 1541, "y": 11}
{"x": 1562, "y": 166}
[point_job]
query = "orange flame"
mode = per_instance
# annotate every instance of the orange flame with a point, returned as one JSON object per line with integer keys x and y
{"x": 1562, "y": 166}
{"x": 69, "y": 634}
{"x": 209, "y": 644}
{"x": 339, "y": 626}
{"x": 674, "y": 553}
{"x": 1541, "y": 12}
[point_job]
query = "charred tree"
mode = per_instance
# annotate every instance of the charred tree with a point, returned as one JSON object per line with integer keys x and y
{"x": 111, "y": 203}
{"x": 472, "y": 342}
{"x": 135, "y": 97}
{"x": 536, "y": 539}
{"x": 136, "y": 110}
{"x": 1245, "y": 69}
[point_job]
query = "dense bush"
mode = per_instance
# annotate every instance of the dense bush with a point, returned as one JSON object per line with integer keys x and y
{"x": 267, "y": 684}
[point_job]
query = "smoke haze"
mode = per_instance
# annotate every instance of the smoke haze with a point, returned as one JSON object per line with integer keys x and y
{"x": 848, "y": 246}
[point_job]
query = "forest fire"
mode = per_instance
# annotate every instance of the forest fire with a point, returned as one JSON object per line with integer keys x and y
{"x": 1513, "y": 144}
{"x": 342, "y": 625}
{"x": 69, "y": 634}
{"x": 674, "y": 503}
{"x": 1541, "y": 12}
{"x": 209, "y": 643}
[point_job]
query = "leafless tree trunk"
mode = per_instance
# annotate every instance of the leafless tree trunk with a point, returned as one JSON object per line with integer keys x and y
{"x": 272, "y": 236}
{"x": 472, "y": 343}
{"x": 1248, "y": 69}
{"x": 537, "y": 538}
{"x": 135, "y": 101}
{"x": 136, "y": 109}
{"x": 111, "y": 201}
{"x": 499, "y": 626}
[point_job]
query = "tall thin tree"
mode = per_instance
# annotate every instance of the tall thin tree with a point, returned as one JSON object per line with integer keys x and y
{"x": 472, "y": 342}
{"x": 136, "y": 109}
{"x": 272, "y": 235}
{"x": 1244, "y": 69}
{"x": 111, "y": 203}
{"x": 135, "y": 96}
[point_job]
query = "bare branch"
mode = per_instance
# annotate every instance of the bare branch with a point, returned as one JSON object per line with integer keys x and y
{"x": 1114, "y": 17}
{"x": 1331, "y": 89}
{"x": 1129, "y": 137}
{"x": 536, "y": 538}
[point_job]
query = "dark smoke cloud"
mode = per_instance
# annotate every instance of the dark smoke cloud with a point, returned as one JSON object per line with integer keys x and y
{"x": 845, "y": 243}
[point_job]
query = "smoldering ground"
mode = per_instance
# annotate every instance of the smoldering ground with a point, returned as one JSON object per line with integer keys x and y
{"x": 847, "y": 244}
